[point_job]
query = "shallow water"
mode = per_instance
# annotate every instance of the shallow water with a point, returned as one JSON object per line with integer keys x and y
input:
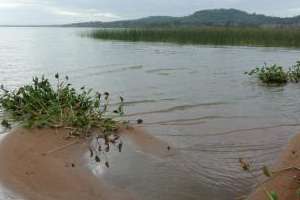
{"x": 5, "y": 193}
{"x": 196, "y": 98}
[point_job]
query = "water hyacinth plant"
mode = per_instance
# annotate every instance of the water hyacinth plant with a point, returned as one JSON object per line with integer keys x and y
{"x": 294, "y": 72}
{"x": 276, "y": 74}
{"x": 41, "y": 104}
{"x": 273, "y": 74}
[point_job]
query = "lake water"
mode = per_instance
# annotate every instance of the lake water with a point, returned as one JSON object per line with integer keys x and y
{"x": 196, "y": 98}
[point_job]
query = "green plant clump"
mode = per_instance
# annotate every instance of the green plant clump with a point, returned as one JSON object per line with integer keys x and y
{"x": 270, "y": 74}
{"x": 39, "y": 105}
{"x": 294, "y": 72}
{"x": 276, "y": 74}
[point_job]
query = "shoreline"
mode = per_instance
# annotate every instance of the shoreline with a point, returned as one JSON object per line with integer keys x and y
{"x": 35, "y": 167}
{"x": 61, "y": 175}
{"x": 285, "y": 179}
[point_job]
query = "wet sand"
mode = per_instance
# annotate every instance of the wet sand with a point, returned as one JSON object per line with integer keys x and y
{"x": 31, "y": 168}
{"x": 35, "y": 166}
{"x": 285, "y": 180}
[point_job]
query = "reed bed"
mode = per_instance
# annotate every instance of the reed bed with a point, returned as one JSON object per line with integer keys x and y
{"x": 269, "y": 37}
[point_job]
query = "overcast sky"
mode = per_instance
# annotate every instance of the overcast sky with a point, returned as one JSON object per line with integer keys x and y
{"x": 66, "y": 11}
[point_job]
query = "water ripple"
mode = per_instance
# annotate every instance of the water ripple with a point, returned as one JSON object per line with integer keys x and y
{"x": 179, "y": 108}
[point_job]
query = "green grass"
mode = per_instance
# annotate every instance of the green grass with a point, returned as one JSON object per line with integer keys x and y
{"x": 270, "y": 37}
{"x": 43, "y": 105}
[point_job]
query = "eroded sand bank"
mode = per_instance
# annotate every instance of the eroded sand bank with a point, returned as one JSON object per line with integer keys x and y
{"x": 286, "y": 175}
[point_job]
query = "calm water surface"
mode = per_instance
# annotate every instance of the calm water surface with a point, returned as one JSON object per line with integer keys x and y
{"x": 196, "y": 98}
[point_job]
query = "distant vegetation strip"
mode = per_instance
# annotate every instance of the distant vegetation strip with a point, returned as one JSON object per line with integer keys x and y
{"x": 269, "y": 37}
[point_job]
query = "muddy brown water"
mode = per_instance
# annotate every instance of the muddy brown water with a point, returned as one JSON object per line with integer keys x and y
{"x": 195, "y": 98}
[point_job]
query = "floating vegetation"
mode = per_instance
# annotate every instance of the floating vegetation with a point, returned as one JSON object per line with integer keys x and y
{"x": 294, "y": 72}
{"x": 275, "y": 74}
{"x": 270, "y": 74}
{"x": 245, "y": 36}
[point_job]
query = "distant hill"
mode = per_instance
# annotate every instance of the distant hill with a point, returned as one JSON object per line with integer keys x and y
{"x": 215, "y": 17}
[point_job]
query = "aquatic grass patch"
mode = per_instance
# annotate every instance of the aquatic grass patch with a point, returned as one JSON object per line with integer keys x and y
{"x": 43, "y": 105}
{"x": 294, "y": 72}
{"x": 242, "y": 36}
{"x": 275, "y": 74}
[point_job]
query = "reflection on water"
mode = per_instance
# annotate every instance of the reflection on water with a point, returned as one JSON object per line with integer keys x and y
{"x": 195, "y": 98}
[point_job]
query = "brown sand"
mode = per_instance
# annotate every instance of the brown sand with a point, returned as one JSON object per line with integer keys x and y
{"x": 60, "y": 175}
{"x": 286, "y": 177}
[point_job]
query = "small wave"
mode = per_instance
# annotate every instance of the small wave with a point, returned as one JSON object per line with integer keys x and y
{"x": 117, "y": 70}
{"x": 122, "y": 69}
{"x": 93, "y": 67}
{"x": 179, "y": 108}
{"x": 232, "y": 131}
{"x": 231, "y": 148}
{"x": 129, "y": 103}
{"x": 166, "y": 71}
{"x": 193, "y": 121}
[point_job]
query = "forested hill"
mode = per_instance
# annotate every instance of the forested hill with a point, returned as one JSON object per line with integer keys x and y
{"x": 215, "y": 17}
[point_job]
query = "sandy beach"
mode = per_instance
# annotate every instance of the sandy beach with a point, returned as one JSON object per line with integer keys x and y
{"x": 34, "y": 165}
